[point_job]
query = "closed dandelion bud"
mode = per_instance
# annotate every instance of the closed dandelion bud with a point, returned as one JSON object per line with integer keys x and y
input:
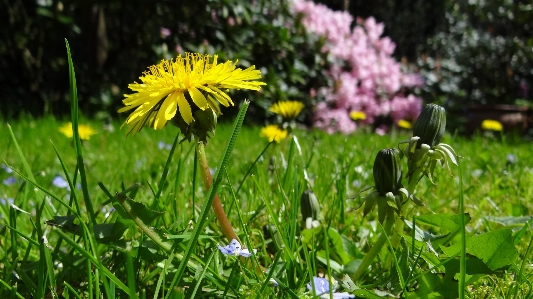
{"x": 270, "y": 232}
{"x": 430, "y": 125}
{"x": 387, "y": 171}
{"x": 309, "y": 205}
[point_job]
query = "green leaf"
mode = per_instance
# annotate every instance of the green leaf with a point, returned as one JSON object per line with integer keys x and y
{"x": 130, "y": 209}
{"x": 495, "y": 248}
{"x": 450, "y": 222}
{"x": 338, "y": 246}
{"x": 104, "y": 233}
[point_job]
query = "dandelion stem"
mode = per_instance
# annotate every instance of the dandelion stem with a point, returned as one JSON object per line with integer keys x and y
{"x": 376, "y": 248}
{"x": 225, "y": 225}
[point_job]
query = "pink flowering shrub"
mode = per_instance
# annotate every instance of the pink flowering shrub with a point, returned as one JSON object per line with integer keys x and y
{"x": 365, "y": 76}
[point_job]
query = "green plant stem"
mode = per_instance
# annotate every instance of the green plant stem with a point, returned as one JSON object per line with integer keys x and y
{"x": 376, "y": 248}
{"x": 225, "y": 225}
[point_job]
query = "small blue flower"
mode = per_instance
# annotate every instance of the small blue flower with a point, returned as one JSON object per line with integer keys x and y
{"x": 162, "y": 145}
{"x": 6, "y": 168}
{"x": 60, "y": 182}
{"x": 7, "y": 201}
{"x": 234, "y": 248}
{"x": 322, "y": 289}
{"x": 9, "y": 181}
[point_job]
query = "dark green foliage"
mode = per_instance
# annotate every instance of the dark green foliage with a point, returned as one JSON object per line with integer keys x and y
{"x": 483, "y": 57}
{"x": 115, "y": 41}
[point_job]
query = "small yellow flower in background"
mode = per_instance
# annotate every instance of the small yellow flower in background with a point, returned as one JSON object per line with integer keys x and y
{"x": 357, "y": 115}
{"x": 274, "y": 133}
{"x": 287, "y": 109}
{"x": 402, "y": 123}
{"x": 170, "y": 86}
{"x": 493, "y": 125}
{"x": 85, "y": 131}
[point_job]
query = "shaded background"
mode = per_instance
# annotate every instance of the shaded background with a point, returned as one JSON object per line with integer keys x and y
{"x": 469, "y": 52}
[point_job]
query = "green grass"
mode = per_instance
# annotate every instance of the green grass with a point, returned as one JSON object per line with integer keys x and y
{"x": 337, "y": 168}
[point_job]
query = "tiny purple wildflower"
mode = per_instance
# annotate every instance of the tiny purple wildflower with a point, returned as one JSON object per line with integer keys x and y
{"x": 60, "y": 182}
{"x": 322, "y": 286}
{"x": 234, "y": 248}
{"x": 6, "y": 168}
{"x": 9, "y": 181}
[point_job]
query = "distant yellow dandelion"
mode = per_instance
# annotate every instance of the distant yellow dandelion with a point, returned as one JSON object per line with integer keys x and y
{"x": 85, "y": 131}
{"x": 171, "y": 86}
{"x": 287, "y": 109}
{"x": 357, "y": 115}
{"x": 493, "y": 125}
{"x": 274, "y": 133}
{"x": 402, "y": 123}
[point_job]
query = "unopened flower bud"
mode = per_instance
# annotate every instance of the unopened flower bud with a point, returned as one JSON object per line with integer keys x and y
{"x": 387, "y": 171}
{"x": 309, "y": 205}
{"x": 430, "y": 125}
{"x": 270, "y": 232}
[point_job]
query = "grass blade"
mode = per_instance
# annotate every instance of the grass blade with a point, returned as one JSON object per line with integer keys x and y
{"x": 210, "y": 195}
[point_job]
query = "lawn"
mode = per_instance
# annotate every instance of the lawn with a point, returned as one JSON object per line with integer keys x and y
{"x": 261, "y": 191}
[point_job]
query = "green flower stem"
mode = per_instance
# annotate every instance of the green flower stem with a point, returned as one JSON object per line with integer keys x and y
{"x": 225, "y": 225}
{"x": 399, "y": 224}
{"x": 376, "y": 248}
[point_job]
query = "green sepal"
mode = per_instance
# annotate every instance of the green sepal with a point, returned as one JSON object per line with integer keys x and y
{"x": 370, "y": 202}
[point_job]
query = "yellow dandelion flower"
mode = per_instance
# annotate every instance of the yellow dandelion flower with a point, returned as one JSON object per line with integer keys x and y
{"x": 170, "y": 86}
{"x": 402, "y": 123}
{"x": 493, "y": 125}
{"x": 274, "y": 133}
{"x": 357, "y": 115}
{"x": 287, "y": 109}
{"x": 85, "y": 131}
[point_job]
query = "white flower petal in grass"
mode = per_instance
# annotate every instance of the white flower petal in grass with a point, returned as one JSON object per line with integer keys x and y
{"x": 322, "y": 287}
{"x": 234, "y": 248}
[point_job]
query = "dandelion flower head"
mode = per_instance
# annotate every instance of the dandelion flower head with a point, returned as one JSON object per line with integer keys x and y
{"x": 404, "y": 124}
{"x": 493, "y": 125}
{"x": 287, "y": 109}
{"x": 357, "y": 115}
{"x": 170, "y": 87}
{"x": 274, "y": 133}
{"x": 85, "y": 131}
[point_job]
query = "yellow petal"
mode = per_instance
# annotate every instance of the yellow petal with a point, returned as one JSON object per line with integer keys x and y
{"x": 213, "y": 104}
{"x": 166, "y": 111}
{"x": 198, "y": 98}
{"x": 185, "y": 109}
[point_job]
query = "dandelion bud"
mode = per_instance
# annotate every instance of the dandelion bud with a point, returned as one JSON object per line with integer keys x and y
{"x": 387, "y": 171}
{"x": 270, "y": 232}
{"x": 309, "y": 205}
{"x": 430, "y": 125}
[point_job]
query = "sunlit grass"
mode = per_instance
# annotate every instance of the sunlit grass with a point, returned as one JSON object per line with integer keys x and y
{"x": 336, "y": 167}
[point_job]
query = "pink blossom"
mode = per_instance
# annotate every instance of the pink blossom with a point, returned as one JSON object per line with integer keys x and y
{"x": 366, "y": 76}
{"x": 165, "y": 32}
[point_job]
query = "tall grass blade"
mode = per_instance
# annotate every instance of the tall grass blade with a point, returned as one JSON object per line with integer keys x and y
{"x": 217, "y": 178}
